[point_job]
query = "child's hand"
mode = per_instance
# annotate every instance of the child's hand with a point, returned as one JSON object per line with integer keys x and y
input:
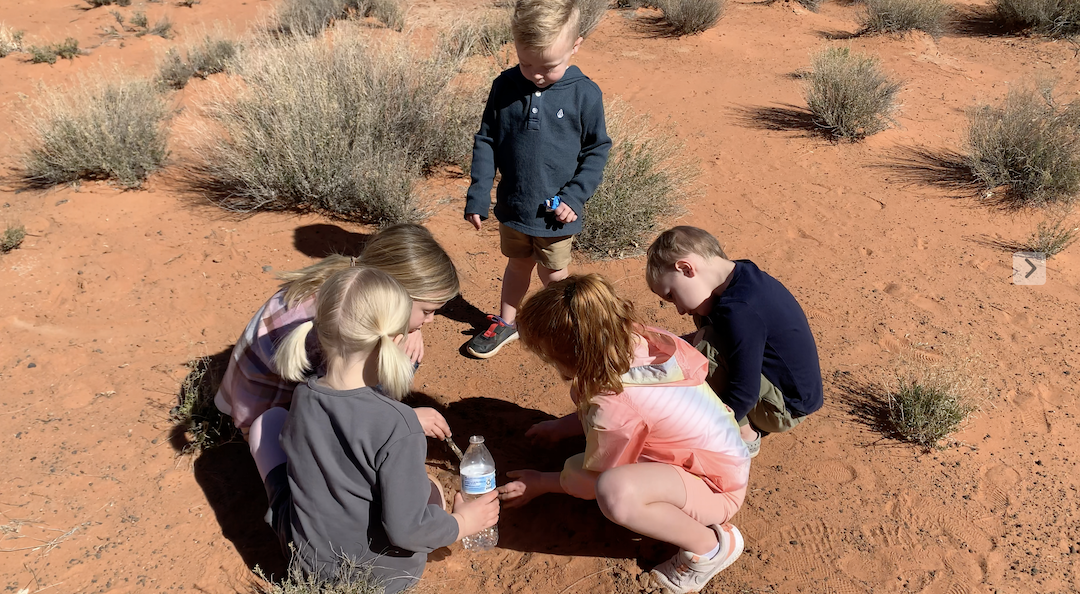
{"x": 475, "y": 220}
{"x": 523, "y": 490}
{"x": 564, "y": 214}
{"x": 414, "y": 346}
{"x": 433, "y": 423}
{"x": 476, "y": 515}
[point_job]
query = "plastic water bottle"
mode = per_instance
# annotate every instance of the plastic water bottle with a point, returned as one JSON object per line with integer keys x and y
{"x": 477, "y": 478}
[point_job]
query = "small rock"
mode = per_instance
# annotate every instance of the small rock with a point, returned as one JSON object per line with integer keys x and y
{"x": 59, "y": 202}
{"x": 267, "y": 268}
{"x": 793, "y": 542}
{"x": 31, "y": 365}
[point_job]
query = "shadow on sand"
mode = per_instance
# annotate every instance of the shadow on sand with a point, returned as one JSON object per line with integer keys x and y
{"x": 322, "y": 239}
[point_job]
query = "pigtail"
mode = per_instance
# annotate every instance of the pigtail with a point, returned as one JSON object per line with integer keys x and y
{"x": 291, "y": 358}
{"x": 395, "y": 368}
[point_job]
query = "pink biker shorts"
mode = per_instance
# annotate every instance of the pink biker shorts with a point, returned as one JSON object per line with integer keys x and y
{"x": 705, "y": 505}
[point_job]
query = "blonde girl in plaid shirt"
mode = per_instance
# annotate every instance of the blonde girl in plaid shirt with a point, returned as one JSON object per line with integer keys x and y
{"x": 409, "y": 253}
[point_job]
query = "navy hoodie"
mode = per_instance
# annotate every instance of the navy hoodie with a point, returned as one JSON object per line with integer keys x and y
{"x": 545, "y": 142}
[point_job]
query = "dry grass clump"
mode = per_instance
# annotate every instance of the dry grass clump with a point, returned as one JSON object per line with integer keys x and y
{"x": 351, "y": 578}
{"x": 1029, "y": 145}
{"x": 687, "y": 17}
{"x": 345, "y": 128}
{"x": 99, "y": 3}
{"x": 926, "y": 404}
{"x": 592, "y": 12}
{"x": 10, "y": 40}
{"x": 48, "y": 54}
{"x": 898, "y": 16}
{"x": 849, "y": 95}
{"x": 1056, "y": 18}
{"x": 646, "y": 178}
{"x": 97, "y": 130}
{"x": 312, "y": 17}
{"x": 202, "y": 58}
{"x": 12, "y": 238}
{"x": 197, "y": 423}
{"x": 1051, "y": 237}
{"x": 484, "y": 36}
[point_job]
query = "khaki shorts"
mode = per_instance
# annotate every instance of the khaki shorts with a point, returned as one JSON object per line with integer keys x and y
{"x": 771, "y": 413}
{"x": 552, "y": 253}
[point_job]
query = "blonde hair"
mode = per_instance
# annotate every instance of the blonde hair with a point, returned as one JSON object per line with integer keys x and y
{"x": 536, "y": 24}
{"x": 581, "y": 324}
{"x": 407, "y": 252}
{"x": 675, "y": 243}
{"x": 359, "y": 311}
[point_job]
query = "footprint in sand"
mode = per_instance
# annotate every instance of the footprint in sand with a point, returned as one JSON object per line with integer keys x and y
{"x": 835, "y": 471}
{"x": 996, "y": 485}
{"x": 901, "y": 346}
{"x": 1031, "y": 413}
{"x": 921, "y": 301}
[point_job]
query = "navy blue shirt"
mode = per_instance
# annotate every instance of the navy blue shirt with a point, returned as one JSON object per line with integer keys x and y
{"x": 762, "y": 330}
{"x": 545, "y": 142}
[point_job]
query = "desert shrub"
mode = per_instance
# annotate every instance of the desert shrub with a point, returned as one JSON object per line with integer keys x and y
{"x": 1057, "y": 18}
{"x": 646, "y": 177}
{"x": 925, "y": 405}
{"x": 351, "y": 578}
{"x": 187, "y": 3}
{"x": 898, "y": 16}
{"x": 687, "y": 17}
{"x": 10, "y": 40}
{"x": 311, "y": 17}
{"x": 98, "y": 3}
{"x": 198, "y": 425}
{"x": 1051, "y": 237}
{"x": 477, "y": 36}
{"x": 848, "y": 94}
{"x": 1029, "y": 145}
{"x": 592, "y": 12}
{"x": 139, "y": 20}
{"x": 162, "y": 29}
{"x": 202, "y": 58}
{"x": 97, "y": 130}
{"x": 12, "y": 238}
{"x": 48, "y": 54}
{"x": 811, "y": 5}
{"x": 345, "y": 128}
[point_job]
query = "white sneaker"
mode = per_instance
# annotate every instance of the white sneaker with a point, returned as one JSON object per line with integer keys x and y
{"x": 687, "y": 572}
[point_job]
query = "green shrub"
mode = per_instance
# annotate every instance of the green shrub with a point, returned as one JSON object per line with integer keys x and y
{"x": 98, "y": 130}
{"x": 162, "y": 29}
{"x": 48, "y": 54}
{"x": 898, "y": 16}
{"x": 1030, "y": 146}
{"x": 1051, "y": 237}
{"x": 848, "y": 94}
{"x": 687, "y": 17}
{"x": 1057, "y": 18}
{"x": 139, "y": 20}
{"x": 202, "y": 58}
{"x": 927, "y": 405}
{"x": 311, "y": 17}
{"x": 646, "y": 177}
{"x": 345, "y": 128}
{"x": 10, "y": 40}
{"x": 173, "y": 71}
{"x": 196, "y": 418}
{"x": 12, "y": 238}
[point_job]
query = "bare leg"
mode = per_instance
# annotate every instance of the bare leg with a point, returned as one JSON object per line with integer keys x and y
{"x": 647, "y": 498}
{"x": 548, "y": 276}
{"x": 515, "y": 284}
{"x": 263, "y": 440}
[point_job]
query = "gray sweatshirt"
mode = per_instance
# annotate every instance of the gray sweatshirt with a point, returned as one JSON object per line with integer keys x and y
{"x": 359, "y": 485}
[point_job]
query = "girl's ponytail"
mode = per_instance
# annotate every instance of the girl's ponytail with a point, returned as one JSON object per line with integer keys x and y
{"x": 291, "y": 358}
{"x": 395, "y": 368}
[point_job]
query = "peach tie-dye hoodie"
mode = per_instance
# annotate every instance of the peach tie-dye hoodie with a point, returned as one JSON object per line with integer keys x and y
{"x": 666, "y": 413}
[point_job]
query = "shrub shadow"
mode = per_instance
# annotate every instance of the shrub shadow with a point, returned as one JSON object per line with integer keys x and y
{"x": 555, "y": 524}
{"x": 783, "y": 117}
{"x": 841, "y": 35}
{"x": 996, "y": 243}
{"x": 978, "y": 21}
{"x": 321, "y": 240}
{"x": 946, "y": 169}
{"x": 867, "y": 403}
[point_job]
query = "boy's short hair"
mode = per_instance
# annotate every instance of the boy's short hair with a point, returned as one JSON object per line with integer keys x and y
{"x": 675, "y": 243}
{"x": 536, "y": 24}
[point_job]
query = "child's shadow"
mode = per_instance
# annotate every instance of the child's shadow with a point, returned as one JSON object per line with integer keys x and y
{"x": 555, "y": 524}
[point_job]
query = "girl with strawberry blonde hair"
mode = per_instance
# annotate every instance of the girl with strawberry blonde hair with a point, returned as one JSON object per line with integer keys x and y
{"x": 663, "y": 455}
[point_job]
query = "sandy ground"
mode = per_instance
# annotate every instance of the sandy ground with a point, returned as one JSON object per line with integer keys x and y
{"x": 114, "y": 291}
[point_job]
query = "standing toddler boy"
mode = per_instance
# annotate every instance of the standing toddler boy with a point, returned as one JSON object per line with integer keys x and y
{"x": 543, "y": 129}
{"x": 763, "y": 362}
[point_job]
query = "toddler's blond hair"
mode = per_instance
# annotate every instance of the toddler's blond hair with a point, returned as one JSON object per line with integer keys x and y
{"x": 536, "y": 24}
{"x": 675, "y": 243}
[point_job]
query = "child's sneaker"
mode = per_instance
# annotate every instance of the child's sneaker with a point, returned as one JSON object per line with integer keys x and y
{"x": 488, "y": 343}
{"x": 754, "y": 446}
{"x": 687, "y": 572}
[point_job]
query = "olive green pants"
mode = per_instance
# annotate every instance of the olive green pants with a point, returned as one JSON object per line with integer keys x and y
{"x": 770, "y": 414}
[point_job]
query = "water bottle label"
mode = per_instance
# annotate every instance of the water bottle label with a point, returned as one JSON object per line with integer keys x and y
{"x": 478, "y": 485}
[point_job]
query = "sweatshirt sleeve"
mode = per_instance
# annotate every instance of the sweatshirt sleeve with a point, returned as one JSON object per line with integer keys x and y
{"x": 615, "y": 434}
{"x": 482, "y": 172}
{"x": 742, "y": 336}
{"x": 410, "y": 522}
{"x": 595, "y": 146}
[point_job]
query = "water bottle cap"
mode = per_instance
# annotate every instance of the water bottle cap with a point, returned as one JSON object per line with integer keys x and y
{"x": 476, "y": 439}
